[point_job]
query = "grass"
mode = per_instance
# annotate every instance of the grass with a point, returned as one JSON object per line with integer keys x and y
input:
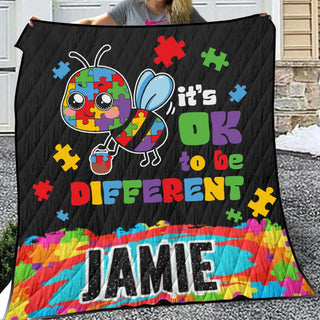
{"x": 7, "y": 253}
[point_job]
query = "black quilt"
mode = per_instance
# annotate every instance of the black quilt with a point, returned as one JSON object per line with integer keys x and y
{"x": 146, "y": 168}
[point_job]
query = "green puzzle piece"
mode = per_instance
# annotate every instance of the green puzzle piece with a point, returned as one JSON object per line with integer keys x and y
{"x": 23, "y": 272}
{"x": 283, "y": 270}
{"x": 116, "y": 90}
{"x": 130, "y": 128}
{"x": 116, "y": 124}
{"x": 210, "y": 57}
{"x": 269, "y": 225}
{"x": 75, "y": 234}
{"x": 83, "y": 78}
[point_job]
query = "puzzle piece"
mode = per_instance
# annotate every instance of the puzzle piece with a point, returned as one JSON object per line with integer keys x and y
{"x": 239, "y": 94}
{"x": 104, "y": 123}
{"x": 64, "y": 154}
{"x": 88, "y": 91}
{"x": 84, "y": 114}
{"x": 118, "y": 78}
{"x": 123, "y": 139}
{"x": 156, "y": 126}
{"x": 89, "y": 126}
{"x": 232, "y": 215}
{"x": 62, "y": 71}
{"x": 99, "y": 72}
{"x": 103, "y": 85}
{"x": 259, "y": 207}
{"x": 283, "y": 270}
{"x": 116, "y": 124}
{"x": 70, "y": 121}
{"x": 83, "y": 77}
{"x": 210, "y": 57}
{"x": 116, "y": 90}
{"x": 129, "y": 129}
{"x": 145, "y": 145}
{"x": 155, "y": 138}
{"x": 62, "y": 215}
{"x": 42, "y": 189}
{"x": 124, "y": 107}
{"x": 167, "y": 49}
{"x": 139, "y": 119}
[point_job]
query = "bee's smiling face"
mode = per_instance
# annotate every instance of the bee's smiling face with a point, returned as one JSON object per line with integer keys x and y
{"x": 96, "y": 99}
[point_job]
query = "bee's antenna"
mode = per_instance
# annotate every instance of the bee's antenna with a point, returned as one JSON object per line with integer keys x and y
{"x": 100, "y": 53}
{"x": 76, "y": 55}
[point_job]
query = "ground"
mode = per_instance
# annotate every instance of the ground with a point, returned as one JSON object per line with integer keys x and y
{"x": 299, "y": 177}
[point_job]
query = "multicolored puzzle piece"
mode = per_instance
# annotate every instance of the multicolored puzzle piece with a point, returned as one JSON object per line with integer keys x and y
{"x": 62, "y": 71}
{"x": 238, "y": 94}
{"x": 64, "y": 154}
{"x": 42, "y": 189}
{"x": 167, "y": 49}
{"x": 211, "y": 57}
{"x": 259, "y": 207}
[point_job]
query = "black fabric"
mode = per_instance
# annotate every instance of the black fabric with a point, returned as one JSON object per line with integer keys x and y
{"x": 174, "y": 231}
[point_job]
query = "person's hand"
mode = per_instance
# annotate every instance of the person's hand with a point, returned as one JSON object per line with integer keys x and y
{"x": 32, "y": 18}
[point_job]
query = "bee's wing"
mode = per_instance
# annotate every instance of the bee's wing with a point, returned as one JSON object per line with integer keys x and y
{"x": 152, "y": 90}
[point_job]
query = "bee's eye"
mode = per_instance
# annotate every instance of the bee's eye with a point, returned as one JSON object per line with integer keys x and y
{"x": 76, "y": 101}
{"x": 104, "y": 101}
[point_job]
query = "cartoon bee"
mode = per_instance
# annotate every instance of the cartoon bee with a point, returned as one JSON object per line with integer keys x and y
{"x": 98, "y": 99}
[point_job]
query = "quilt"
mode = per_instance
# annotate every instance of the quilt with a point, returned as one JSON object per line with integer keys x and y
{"x": 146, "y": 168}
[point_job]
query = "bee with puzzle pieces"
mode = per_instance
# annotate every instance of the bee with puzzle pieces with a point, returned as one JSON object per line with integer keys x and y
{"x": 98, "y": 99}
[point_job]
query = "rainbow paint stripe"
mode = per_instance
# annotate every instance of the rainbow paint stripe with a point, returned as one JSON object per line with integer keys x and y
{"x": 253, "y": 260}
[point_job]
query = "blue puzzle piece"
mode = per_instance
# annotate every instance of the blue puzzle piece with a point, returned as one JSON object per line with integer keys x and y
{"x": 87, "y": 91}
{"x": 71, "y": 122}
{"x": 62, "y": 215}
{"x": 156, "y": 126}
{"x": 98, "y": 73}
{"x": 62, "y": 71}
{"x": 239, "y": 94}
{"x": 270, "y": 290}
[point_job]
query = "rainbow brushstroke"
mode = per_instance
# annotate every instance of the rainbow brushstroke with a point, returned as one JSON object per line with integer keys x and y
{"x": 254, "y": 260}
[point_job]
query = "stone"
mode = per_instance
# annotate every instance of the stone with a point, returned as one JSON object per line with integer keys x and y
{"x": 281, "y": 91}
{"x": 313, "y": 96}
{"x": 297, "y": 90}
{"x": 282, "y": 123}
{"x": 306, "y": 75}
{"x": 304, "y": 120}
{"x": 285, "y": 122}
{"x": 283, "y": 75}
{"x": 292, "y": 104}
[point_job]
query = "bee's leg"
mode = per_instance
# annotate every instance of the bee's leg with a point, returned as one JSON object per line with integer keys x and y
{"x": 115, "y": 151}
{"x": 146, "y": 160}
{"x": 107, "y": 141}
{"x": 157, "y": 158}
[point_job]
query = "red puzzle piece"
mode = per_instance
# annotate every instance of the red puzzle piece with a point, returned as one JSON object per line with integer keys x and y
{"x": 117, "y": 77}
{"x": 103, "y": 85}
{"x": 85, "y": 113}
{"x": 156, "y": 138}
{"x": 167, "y": 49}
{"x": 123, "y": 140}
{"x": 138, "y": 111}
{"x": 42, "y": 189}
